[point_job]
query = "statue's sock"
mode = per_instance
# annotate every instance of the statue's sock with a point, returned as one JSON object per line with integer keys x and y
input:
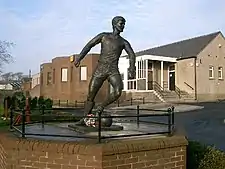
{"x": 88, "y": 107}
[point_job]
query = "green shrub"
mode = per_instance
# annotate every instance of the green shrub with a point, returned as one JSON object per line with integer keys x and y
{"x": 41, "y": 101}
{"x": 48, "y": 103}
{"x": 33, "y": 103}
{"x": 1, "y": 110}
{"x": 3, "y": 123}
{"x": 213, "y": 159}
{"x": 18, "y": 101}
{"x": 195, "y": 153}
{"x": 200, "y": 156}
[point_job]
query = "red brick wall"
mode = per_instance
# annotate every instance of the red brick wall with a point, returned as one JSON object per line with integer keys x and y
{"x": 74, "y": 88}
{"x": 171, "y": 158}
{"x": 2, "y": 157}
{"x": 142, "y": 153}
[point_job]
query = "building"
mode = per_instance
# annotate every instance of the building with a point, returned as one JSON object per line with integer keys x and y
{"x": 35, "y": 80}
{"x": 192, "y": 67}
{"x": 10, "y": 85}
{"x": 61, "y": 80}
{"x": 5, "y": 86}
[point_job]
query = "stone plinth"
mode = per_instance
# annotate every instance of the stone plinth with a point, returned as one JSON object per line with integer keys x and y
{"x": 138, "y": 153}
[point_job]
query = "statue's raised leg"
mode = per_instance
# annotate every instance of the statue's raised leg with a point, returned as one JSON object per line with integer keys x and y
{"x": 117, "y": 84}
{"x": 94, "y": 86}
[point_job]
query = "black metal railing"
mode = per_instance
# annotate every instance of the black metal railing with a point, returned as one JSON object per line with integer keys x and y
{"x": 80, "y": 104}
{"x": 158, "y": 88}
{"x": 178, "y": 91}
{"x": 131, "y": 101}
{"x": 189, "y": 85}
{"x": 44, "y": 113}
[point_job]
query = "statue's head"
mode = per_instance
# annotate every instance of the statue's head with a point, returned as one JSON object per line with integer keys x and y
{"x": 118, "y": 23}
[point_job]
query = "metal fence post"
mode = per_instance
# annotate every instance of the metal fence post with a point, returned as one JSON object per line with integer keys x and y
{"x": 169, "y": 121}
{"x": 11, "y": 118}
{"x": 75, "y": 103}
{"x": 99, "y": 127}
{"x": 143, "y": 100}
{"x": 42, "y": 115}
{"x": 131, "y": 101}
{"x": 118, "y": 103}
{"x": 23, "y": 123}
{"x": 138, "y": 113}
{"x": 172, "y": 108}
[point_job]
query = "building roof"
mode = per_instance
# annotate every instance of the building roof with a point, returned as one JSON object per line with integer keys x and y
{"x": 181, "y": 49}
{"x": 2, "y": 82}
{"x": 13, "y": 83}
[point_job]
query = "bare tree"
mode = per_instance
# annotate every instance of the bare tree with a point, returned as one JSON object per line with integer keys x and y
{"x": 5, "y": 56}
{"x": 7, "y": 76}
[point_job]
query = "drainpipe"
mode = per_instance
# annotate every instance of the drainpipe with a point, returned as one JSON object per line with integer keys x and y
{"x": 195, "y": 74}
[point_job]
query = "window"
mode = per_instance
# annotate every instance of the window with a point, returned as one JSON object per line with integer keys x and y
{"x": 172, "y": 68}
{"x": 53, "y": 79}
{"x": 83, "y": 73}
{"x": 220, "y": 73}
{"x": 150, "y": 65}
{"x": 64, "y": 74}
{"x": 142, "y": 69}
{"x": 49, "y": 78}
{"x": 211, "y": 72}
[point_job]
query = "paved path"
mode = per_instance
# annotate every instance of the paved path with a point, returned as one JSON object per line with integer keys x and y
{"x": 159, "y": 106}
{"x": 205, "y": 125}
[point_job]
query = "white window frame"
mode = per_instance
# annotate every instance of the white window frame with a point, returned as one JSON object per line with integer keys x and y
{"x": 142, "y": 69}
{"x": 83, "y": 73}
{"x": 220, "y": 70}
{"x": 64, "y": 74}
{"x": 211, "y": 68}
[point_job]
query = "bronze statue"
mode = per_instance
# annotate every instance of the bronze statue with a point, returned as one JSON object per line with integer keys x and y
{"x": 112, "y": 45}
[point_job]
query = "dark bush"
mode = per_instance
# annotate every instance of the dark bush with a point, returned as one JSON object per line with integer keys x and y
{"x": 48, "y": 103}
{"x": 21, "y": 102}
{"x": 200, "y": 156}
{"x": 195, "y": 153}
{"x": 33, "y": 103}
{"x": 41, "y": 101}
{"x": 213, "y": 159}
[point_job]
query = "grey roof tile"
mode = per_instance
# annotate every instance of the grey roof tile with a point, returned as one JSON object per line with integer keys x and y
{"x": 181, "y": 49}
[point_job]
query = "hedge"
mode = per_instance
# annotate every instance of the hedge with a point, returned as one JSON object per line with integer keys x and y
{"x": 201, "y": 156}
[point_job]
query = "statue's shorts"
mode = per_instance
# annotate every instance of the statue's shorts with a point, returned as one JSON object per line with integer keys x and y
{"x": 106, "y": 71}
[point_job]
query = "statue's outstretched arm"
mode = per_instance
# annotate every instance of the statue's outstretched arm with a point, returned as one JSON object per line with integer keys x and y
{"x": 131, "y": 55}
{"x": 96, "y": 40}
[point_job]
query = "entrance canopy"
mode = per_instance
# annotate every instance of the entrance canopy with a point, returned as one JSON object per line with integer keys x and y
{"x": 158, "y": 58}
{"x": 144, "y": 71}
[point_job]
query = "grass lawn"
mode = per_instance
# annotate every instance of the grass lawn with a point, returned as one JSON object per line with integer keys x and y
{"x": 4, "y": 124}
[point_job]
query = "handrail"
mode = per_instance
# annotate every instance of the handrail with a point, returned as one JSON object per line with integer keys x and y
{"x": 158, "y": 85}
{"x": 158, "y": 88}
{"x": 178, "y": 91}
{"x": 189, "y": 85}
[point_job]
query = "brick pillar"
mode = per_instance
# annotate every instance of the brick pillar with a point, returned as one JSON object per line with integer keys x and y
{"x": 154, "y": 153}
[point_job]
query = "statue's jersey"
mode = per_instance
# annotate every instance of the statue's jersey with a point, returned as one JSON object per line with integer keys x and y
{"x": 111, "y": 49}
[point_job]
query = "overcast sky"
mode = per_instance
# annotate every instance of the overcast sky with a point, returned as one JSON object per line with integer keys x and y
{"x": 44, "y": 29}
